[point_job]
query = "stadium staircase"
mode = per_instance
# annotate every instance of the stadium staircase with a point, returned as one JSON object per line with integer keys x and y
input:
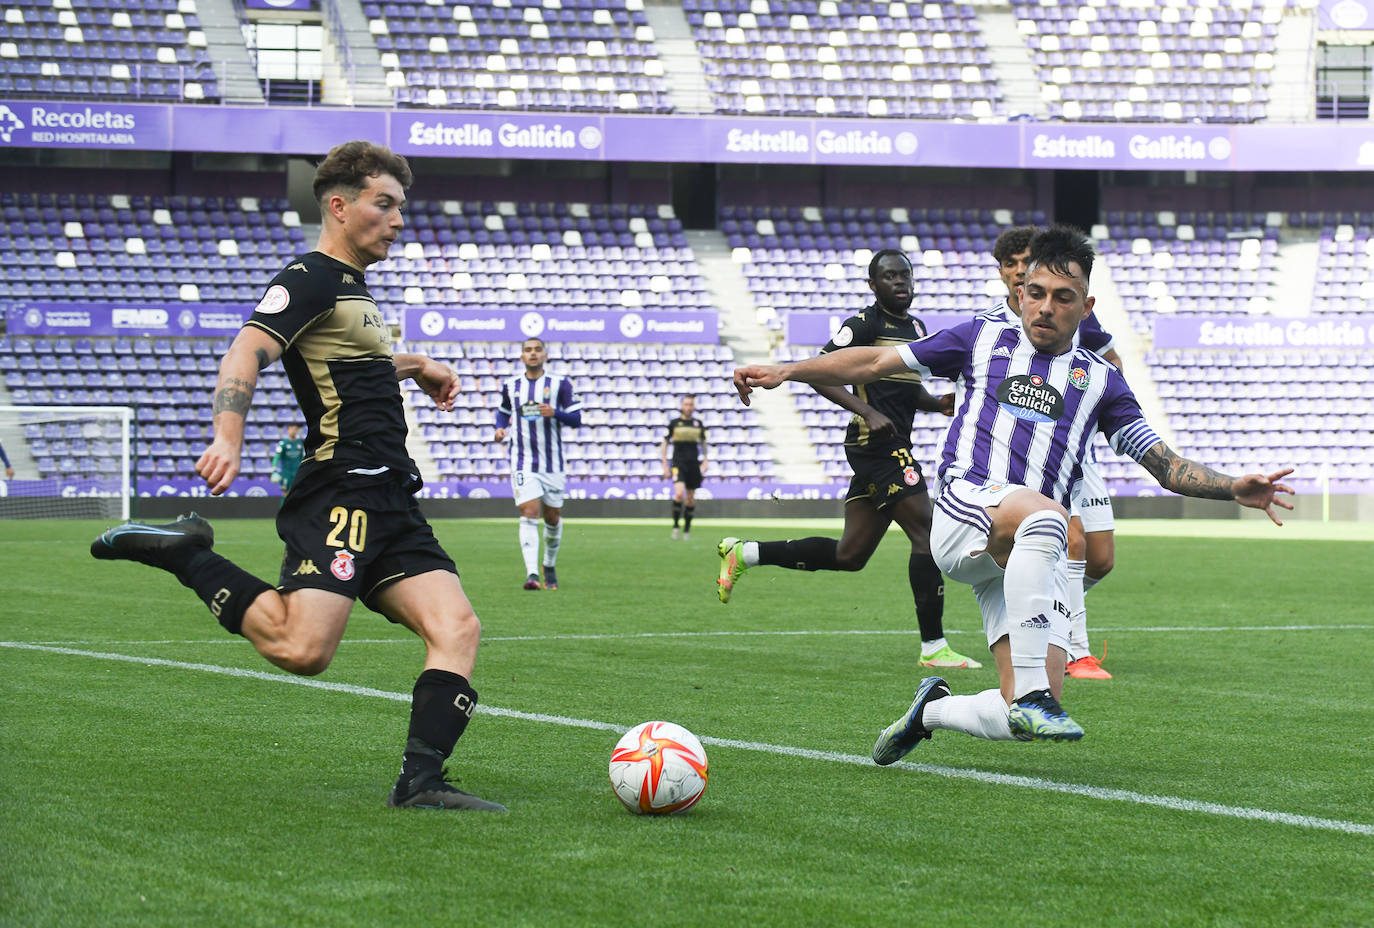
{"x": 677, "y": 50}
{"x": 1294, "y": 76}
{"x": 1296, "y": 264}
{"x": 1011, "y": 62}
{"x": 793, "y": 453}
{"x": 225, "y": 44}
{"x": 369, "y": 77}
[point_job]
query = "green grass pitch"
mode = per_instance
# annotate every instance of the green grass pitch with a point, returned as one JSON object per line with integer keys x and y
{"x": 1224, "y": 779}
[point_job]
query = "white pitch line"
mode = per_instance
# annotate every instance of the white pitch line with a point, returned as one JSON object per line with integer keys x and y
{"x": 738, "y": 633}
{"x": 958, "y": 773}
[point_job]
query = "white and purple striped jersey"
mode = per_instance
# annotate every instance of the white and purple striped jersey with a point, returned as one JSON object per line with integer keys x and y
{"x": 536, "y": 441}
{"x": 1022, "y": 417}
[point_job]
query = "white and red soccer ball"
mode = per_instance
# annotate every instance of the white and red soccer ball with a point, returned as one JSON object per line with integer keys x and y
{"x": 658, "y": 768}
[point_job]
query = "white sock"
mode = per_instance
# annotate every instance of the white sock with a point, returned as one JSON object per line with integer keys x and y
{"x": 529, "y": 544}
{"x": 1090, "y": 582}
{"x": 553, "y": 537}
{"x": 1029, "y": 587}
{"x": 983, "y": 715}
{"x": 930, "y": 647}
{"x": 1078, "y": 611}
{"x": 750, "y": 554}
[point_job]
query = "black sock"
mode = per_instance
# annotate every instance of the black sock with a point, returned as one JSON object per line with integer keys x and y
{"x": 440, "y": 708}
{"x": 928, "y": 589}
{"x": 687, "y": 517}
{"x": 677, "y": 511}
{"x": 223, "y": 586}
{"x": 800, "y": 553}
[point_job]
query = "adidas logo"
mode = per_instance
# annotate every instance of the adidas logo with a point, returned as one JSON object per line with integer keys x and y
{"x": 306, "y": 568}
{"x": 1036, "y": 622}
{"x": 1001, "y": 351}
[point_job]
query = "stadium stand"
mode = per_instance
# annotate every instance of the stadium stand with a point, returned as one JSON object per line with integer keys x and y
{"x": 844, "y": 58}
{"x": 628, "y": 392}
{"x": 87, "y": 247}
{"x": 1176, "y": 62}
{"x": 1246, "y": 412}
{"x": 151, "y": 50}
{"x": 1191, "y": 262}
{"x": 814, "y": 258}
{"x": 1346, "y": 253}
{"x": 525, "y": 54}
{"x": 476, "y": 255}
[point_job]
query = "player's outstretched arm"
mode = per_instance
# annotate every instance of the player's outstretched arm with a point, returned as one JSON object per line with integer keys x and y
{"x": 834, "y": 369}
{"x": 251, "y": 351}
{"x": 437, "y": 379}
{"x": 1189, "y": 478}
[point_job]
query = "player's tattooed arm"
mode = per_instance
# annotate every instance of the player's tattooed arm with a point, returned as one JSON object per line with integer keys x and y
{"x": 1186, "y": 477}
{"x": 233, "y": 394}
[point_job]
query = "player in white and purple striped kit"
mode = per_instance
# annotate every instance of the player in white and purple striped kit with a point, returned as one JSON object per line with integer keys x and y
{"x": 1028, "y": 398}
{"x": 535, "y": 405}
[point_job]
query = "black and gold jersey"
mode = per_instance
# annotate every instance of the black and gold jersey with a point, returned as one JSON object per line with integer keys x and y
{"x": 686, "y": 435}
{"x": 894, "y": 396}
{"x": 338, "y": 357}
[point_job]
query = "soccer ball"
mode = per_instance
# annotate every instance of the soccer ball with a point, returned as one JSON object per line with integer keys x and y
{"x": 658, "y": 768}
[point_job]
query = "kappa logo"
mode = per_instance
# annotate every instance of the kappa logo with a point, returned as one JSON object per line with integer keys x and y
{"x": 9, "y": 123}
{"x": 298, "y": 266}
{"x": 1036, "y": 622}
{"x": 893, "y": 489}
{"x": 343, "y": 566}
{"x": 307, "y": 568}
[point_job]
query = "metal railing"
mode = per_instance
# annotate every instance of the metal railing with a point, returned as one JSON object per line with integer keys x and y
{"x": 223, "y": 82}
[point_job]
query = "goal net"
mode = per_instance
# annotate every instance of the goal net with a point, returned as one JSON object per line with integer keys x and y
{"x": 70, "y": 462}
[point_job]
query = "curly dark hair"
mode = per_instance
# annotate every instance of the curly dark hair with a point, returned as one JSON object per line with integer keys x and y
{"x": 1012, "y": 242}
{"x": 348, "y": 166}
{"x": 1059, "y": 246}
{"x": 873, "y": 265}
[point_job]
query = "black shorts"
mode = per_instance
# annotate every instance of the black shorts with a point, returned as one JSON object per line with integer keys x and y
{"x": 883, "y": 476}
{"x": 687, "y": 473}
{"x": 354, "y": 534}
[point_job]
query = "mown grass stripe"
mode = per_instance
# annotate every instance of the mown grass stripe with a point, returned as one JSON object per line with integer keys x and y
{"x": 982, "y": 776}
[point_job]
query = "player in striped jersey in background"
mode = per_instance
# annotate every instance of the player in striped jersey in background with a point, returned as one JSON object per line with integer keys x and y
{"x": 535, "y": 405}
{"x": 1028, "y": 398}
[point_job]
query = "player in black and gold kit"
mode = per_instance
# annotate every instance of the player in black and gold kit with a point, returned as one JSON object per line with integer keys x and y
{"x": 350, "y": 522}
{"x": 888, "y": 484}
{"x": 686, "y": 434}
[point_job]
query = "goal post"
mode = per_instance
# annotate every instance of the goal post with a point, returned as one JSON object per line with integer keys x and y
{"x": 70, "y": 462}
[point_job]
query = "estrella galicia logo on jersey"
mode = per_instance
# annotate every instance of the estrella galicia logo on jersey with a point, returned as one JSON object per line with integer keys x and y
{"x": 1079, "y": 378}
{"x": 10, "y": 123}
{"x": 342, "y": 565}
{"x": 1027, "y": 396}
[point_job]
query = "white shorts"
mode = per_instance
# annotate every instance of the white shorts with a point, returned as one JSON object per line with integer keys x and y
{"x": 526, "y": 485}
{"x": 1091, "y": 502}
{"x": 959, "y": 539}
